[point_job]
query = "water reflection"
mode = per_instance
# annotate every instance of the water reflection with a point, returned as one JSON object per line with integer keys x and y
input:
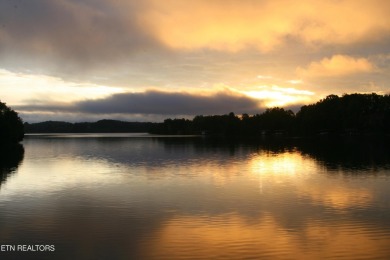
{"x": 364, "y": 154}
{"x": 234, "y": 237}
{"x": 178, "y": 198}
{"x": 351, "y": 154}
{"x": 10, "y": 158}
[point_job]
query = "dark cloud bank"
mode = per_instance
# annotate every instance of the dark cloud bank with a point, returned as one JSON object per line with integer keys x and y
{"x": 157, "y": 103}
{"x": 69, "y": 35}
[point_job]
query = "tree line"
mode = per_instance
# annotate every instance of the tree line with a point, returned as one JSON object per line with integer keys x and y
{"x": 101, "y": 126}
{"x": 349, "y": 114}
{"x": 346, "y": 114}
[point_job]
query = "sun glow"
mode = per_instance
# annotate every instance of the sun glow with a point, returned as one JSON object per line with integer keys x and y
{"x": 275, "y": 96}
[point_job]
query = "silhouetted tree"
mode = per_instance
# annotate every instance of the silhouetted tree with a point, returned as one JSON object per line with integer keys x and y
{"x": 323, "y": 116}
{"x": 228, "y": 124}
{"x": 11, "y": 126}
{"x": 172, "y": 127}
{"x": 353, "y": 113}
{"x": 276, "y": 120}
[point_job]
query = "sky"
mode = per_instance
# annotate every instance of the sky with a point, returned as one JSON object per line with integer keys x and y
{"x": 133, "y": 60}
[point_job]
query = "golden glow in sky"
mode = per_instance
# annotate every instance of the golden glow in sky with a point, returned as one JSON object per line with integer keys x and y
{"x": 280, "y": 97}
{"x": 270, "y": 53}
{"x": 233, "y": 25}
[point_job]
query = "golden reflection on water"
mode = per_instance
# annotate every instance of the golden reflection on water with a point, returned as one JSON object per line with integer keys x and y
{"x": 287, "y": 163}
{"x": 235, "y": 237}
{"x": 337, "y": 197}
{"x": 293, "y": 167}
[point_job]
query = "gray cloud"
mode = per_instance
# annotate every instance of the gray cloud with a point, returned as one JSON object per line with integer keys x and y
{"x": 157, "y": 103}
{"x": 69, "y": 36}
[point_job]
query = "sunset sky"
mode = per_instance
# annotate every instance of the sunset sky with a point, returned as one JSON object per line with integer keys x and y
{"x": 85, "y": 60}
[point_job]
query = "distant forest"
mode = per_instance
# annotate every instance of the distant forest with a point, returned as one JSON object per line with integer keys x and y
{"x": 101, "y": 126}
{"x": 349, "y": 114}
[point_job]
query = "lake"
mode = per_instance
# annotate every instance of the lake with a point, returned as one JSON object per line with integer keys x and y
{"x": 138, "y": 196}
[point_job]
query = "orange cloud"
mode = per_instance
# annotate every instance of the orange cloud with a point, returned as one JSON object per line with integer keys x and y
{"x": 219, "y": 25}
{"x": 337, "y": 65}
{"x": 234, "y": 25}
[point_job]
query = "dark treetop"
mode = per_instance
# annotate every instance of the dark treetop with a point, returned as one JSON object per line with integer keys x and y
{"x": 11, "y": 126}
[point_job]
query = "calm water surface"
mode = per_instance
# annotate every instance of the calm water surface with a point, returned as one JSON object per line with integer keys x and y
{"x": 150, "y": 197}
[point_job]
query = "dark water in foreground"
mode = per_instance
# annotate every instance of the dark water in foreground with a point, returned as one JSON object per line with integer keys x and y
{"x": 142, "y": 197}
